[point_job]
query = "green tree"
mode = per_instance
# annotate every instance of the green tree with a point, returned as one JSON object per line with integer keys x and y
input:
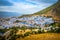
{"x": 23, "y": 28}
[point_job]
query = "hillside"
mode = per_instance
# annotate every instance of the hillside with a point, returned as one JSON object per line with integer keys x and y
{"x": 45, "y": 36}
{"x": 53, "y": 11}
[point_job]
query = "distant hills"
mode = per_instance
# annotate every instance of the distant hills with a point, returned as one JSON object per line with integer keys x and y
{"x": 9, "y": 14}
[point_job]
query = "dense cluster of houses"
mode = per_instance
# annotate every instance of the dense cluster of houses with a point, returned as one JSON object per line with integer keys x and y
{"x": 34, "y": 21}
{"x": 38, "y": 21}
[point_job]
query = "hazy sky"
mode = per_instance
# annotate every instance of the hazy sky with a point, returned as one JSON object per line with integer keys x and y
{"x": 24, "y": 6}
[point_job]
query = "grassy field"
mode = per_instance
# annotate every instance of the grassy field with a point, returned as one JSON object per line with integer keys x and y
{"x": 43, "y": 36}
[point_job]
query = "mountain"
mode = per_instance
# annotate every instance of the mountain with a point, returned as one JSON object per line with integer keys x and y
{"x": 9, "y": 14}
{"x": 52, "y": 11}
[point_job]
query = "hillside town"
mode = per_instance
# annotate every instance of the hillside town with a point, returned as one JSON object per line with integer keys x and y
{"x": 33, "y": 21}
{"x": 12, "y": 28}
{"x": 29, "y": 19}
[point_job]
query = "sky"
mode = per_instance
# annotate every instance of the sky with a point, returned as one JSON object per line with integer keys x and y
{"x": 25, "y": 6}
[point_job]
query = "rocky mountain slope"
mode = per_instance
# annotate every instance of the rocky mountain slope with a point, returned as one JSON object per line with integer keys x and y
{"x": 52, "y": 11}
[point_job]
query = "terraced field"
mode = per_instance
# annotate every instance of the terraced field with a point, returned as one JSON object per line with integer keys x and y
{"x": 43, "y": 36}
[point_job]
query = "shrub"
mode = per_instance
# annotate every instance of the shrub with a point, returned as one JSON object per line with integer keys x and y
{"x": 42, "y": 31}
{"x": 57, "y": 30}
{"x": 34, "y": 32}
{"x": 2, "y": 38}
{"x": 20, "y": 36}
{"x": 13, "y": 38}
{"x": 39, "y": 31}
{"x": 27, "y": 34}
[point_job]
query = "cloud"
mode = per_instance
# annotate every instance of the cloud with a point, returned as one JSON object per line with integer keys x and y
{"x": 5, "y": 3}
{"x": 43, "y": 1}
{"x": 25, "y": 7}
